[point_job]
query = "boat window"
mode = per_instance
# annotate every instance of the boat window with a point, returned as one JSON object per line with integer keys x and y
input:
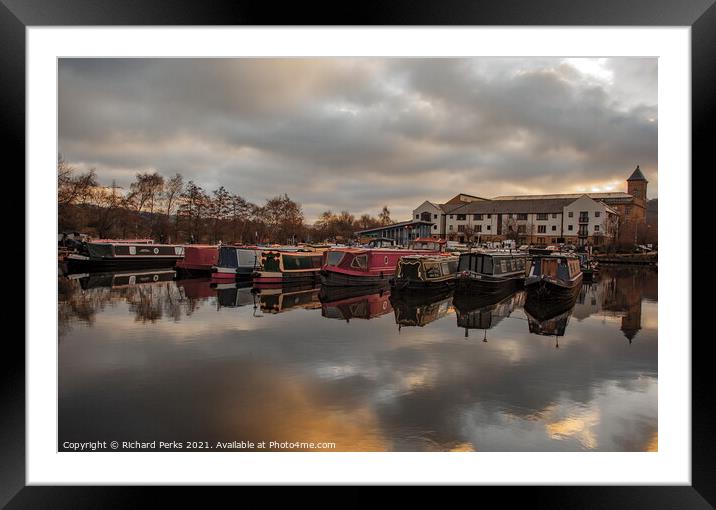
{"x": 445, "y": 268}
{"x": 563, "y": 270}
{"x": 486, "y": 265}
{"x": 452, "y": 266}
{"x": 360, "y": 262}
{"x": 248, "y": 257}
{"x": 271, "y": 262}
{"x": 227, "y": 257}
{"x": 464, "y": 263}
{"x": 334, "y": 258}
{"x": 432, "y": 270}
{"x": 296, "y": 262}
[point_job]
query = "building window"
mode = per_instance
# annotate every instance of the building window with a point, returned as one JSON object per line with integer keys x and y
{"x": 451, "y": 216}
{"x": 461, "y": 228}
{"x": 570, "y": 214}
{"x": 489, "y": 227}
{"x": 461, "y": 217}
{"x": 435, "y": 227}
{"x": 417, "y": 216}
{"x": 541, "y": 216}
{"x": 596, "y": 228}
{"x": 477, "y": 217}
{"x": 554, "y": 228}
{"x": 489, "y": 216}
{"x": 597, "y": 214}
{"x": 521, "y": 229}
{"x": 435, "y": 216}
{"x": 554, "y": 215}
{"x": 478, "y": 228}
{"x": 450, "y": 227}
{"x": 569, "y": 227}
{"x": 541, "y": 229}
{"x": 627, "y": 210}
{"x": 522, "y": 216}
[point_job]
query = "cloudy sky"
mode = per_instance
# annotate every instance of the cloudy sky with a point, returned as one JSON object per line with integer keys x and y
{"x": 355, "y": 134}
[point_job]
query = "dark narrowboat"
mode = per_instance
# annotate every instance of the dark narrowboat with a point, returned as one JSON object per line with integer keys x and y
{"x": 102, "y": 257}
{"x": 554, "y": 278}
{"x": 590, "y": 267}
{"x": 420, "y": 272}
{"x": 497, "y": 273}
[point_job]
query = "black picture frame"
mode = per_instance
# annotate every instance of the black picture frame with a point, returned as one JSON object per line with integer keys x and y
{"x": 16, "y": 15}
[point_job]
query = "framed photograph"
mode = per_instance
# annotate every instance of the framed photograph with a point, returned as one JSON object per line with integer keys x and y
{"x": 418, "y": 247}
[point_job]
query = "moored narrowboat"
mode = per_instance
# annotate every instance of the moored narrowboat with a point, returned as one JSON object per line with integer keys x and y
{"x": 236, "y": 262}
{"x": 590, "y": 267}
{"x": 289, "y": 267}
{"x": 554, "y": 278}
{"x": 420, "y": 272}
{"x": 488, "y": 272}
{"x": 98, "y": 257}
{"x": 372, "y": 266}
{"x": 198, "y": 259}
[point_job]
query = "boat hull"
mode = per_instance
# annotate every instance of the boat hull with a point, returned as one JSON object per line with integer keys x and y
{"x": 93, "y": 265}
{"x": 553, "y": 291}
{"x": 231, "y": 274}
{"x": 285, "y": 278}
{"x": 488, "y": 285}
{"x": 335, "y": 279}
{"x": 408, "y": 285}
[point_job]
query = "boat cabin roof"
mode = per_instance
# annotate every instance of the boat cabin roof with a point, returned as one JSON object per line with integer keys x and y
{"x": 429, "y": 258}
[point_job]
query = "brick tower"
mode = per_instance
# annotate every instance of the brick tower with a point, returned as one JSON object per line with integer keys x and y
{"x": 636, "y": 185}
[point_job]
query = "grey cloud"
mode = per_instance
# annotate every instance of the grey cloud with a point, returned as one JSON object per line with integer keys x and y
{"x": 359, "y": 133}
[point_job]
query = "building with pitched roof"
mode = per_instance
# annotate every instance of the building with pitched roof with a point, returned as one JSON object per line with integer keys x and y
{"x": 575, "y": 218}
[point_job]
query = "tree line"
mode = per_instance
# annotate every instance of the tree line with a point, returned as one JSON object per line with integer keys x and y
{"x": 170, "y": 210}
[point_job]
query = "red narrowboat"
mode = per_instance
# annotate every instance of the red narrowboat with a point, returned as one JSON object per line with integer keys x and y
{"x": 371, "y": 266}
{"x": 198, "y": 259}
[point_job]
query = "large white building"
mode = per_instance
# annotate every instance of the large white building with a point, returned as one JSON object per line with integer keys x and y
{"x": 579, "y": 218}
{"x": 543, "y": 221}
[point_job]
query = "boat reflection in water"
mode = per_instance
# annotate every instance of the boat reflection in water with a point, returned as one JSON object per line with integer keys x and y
{"x": 485, "y": 311}
{"x": 137, "y": 354}
{"x": 549, "y": 318}
{"x": 420, "y": 309}
{"x": 287, "y": 297}
{"x": 354, "y": 303}
{"x": 233, "y": 294}
{"x": 121, "y": 279}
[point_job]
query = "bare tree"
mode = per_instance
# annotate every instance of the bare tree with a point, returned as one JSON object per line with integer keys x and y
{"x": 384, "y": 216}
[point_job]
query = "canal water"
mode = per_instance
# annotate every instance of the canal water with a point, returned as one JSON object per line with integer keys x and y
{"x": 148, "y": 358}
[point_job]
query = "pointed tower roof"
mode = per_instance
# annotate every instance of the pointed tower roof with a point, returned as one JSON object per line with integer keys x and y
{"x": 637, "y": 175}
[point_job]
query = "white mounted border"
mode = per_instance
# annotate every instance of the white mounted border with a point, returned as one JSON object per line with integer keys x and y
{"x": 670, "y": 465}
